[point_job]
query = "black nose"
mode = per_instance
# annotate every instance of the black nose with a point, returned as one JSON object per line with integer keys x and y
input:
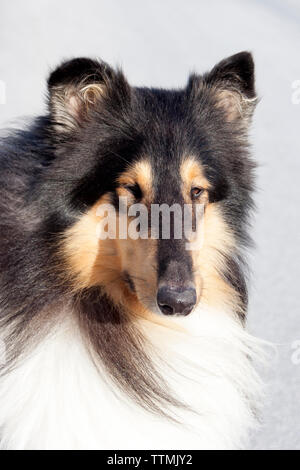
{"x": 175, "y": 300}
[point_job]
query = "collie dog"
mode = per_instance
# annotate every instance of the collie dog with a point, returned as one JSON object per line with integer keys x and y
{"x": 117, "y": 332}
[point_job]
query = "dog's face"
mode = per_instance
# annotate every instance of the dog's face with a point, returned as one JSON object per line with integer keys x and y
{"x": 134, "y": 150}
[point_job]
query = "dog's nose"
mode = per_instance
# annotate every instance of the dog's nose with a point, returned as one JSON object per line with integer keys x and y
{"x": 175, "y": 300}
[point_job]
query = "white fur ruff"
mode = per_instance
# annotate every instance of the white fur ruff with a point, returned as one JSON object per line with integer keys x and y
{"x": 56, "y": 399}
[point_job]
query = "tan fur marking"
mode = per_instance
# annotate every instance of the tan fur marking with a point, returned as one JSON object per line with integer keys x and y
{"x": 71, "y": 104}
{"x": 235, "y": 105}
{"x": 91, "y": 94}
{"x": 216, "y": 238}
{"x": 91, "y": 261}
{"x": 140, "y": 173}
{"x": 208, "y": 261}
{"x": 192, "y": 175}
{"x": 231, "y": 103}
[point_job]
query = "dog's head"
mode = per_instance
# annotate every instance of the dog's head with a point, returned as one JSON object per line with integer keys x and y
{"x": 134, "y": 153}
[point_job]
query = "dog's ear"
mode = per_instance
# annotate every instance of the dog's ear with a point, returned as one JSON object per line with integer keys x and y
{"x": 79, "y": 86}
{"x": 232, "y": 84}
{"x": 233, "y": 81}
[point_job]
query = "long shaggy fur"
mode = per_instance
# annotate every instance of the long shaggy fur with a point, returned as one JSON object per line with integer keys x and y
{"x": 86, "y": 362}
{"x": 58, "y": 398}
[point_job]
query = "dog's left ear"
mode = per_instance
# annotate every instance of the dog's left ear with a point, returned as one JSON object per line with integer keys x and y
{"x": 233, "y": 82}
{"x": 232, "y": 86}
{"x": 79, "y": 86}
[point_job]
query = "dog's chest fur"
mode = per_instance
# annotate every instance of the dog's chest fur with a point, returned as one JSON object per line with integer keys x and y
{"x": 56, "y": 399}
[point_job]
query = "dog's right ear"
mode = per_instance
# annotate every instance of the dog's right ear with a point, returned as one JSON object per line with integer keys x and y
{"x": 79, "y": 86}
{"x": 233, "y": 81}
{"x": 232, "y": 86}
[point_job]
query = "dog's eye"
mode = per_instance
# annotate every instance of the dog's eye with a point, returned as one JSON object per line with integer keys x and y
{"x": 135, "y": 190}
{"x": 196, "y": 192}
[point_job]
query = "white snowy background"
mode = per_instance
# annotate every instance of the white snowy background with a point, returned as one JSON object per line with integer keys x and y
{"x": 158, "y": 43}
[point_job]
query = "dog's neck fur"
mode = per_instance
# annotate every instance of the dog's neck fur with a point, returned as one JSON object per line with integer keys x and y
{"x": 56, "y": 398}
